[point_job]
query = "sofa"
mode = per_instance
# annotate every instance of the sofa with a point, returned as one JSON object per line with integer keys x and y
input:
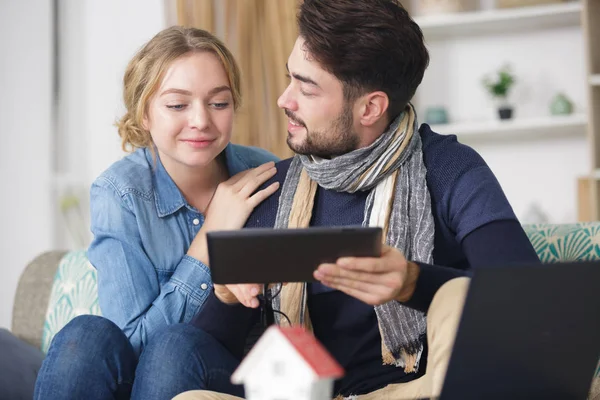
{"x": 58, "y": 285}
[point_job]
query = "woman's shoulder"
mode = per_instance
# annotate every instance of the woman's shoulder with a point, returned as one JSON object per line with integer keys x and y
{"x": 240, "y": 157}
{"x": 131, "y": 174}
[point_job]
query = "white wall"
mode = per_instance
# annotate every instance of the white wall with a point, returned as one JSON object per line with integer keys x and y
{"x": 542, "y": 171}
{"x": 98, "y": 38}
{"x": 25, "y": 129}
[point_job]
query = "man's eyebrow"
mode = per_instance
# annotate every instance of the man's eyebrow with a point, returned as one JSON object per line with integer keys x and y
{"x": 302, "y": 78}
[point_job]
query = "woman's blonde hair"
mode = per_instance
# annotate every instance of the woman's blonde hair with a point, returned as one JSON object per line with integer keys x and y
{"x": 146, "y": 69}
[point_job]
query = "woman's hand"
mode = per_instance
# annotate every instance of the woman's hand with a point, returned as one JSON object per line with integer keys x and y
{"x": 232, "y": 204}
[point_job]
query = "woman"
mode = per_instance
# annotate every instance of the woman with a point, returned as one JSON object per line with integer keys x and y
{"x": 150, "y": 211}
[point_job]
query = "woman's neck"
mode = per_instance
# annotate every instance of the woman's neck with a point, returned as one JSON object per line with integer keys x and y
{"x": 197, "y": 185}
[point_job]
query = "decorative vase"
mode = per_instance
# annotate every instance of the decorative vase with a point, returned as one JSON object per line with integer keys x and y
{"x": 436, "y": 116}
{"x": 561, "y": 105}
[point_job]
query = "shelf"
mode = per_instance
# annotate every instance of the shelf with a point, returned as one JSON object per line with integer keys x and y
{"x": 595, "y": 80}
{"x": 531, "y": 128}
{"x": 510, "y": 20}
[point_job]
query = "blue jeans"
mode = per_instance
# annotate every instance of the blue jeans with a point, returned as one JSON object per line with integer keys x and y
{"x": 91, "y": 358}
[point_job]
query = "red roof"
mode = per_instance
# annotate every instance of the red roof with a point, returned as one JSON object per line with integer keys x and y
{"x": 313, "y": 352}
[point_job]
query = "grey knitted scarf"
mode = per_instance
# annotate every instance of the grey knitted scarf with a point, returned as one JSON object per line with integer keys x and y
{"x": 392, "y": 169}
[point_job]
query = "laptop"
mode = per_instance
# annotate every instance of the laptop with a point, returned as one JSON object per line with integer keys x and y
{"x": 527, "y": 332}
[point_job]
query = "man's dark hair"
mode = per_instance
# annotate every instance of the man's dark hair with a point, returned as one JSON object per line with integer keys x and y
{"x": 368, "y": 45}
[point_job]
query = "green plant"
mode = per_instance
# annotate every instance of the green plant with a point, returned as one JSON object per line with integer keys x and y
{"x": 500, "y": 86}
{"x": 70, "y": 209}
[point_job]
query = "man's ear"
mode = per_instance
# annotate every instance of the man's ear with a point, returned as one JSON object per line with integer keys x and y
{"x": 373, "y": 107}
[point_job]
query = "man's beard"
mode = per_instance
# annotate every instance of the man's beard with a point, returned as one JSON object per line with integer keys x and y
{"x": 340, "y": 138}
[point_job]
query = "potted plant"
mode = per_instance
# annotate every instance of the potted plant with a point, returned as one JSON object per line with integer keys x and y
{"x": 499, "y": 88}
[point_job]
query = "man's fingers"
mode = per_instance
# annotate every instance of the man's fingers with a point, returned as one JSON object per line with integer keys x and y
{"x": 366, "y": 264}
{"x": 363, "y": 295}
{"x": 354, "y": 284}
{"x": 326, "y": 271}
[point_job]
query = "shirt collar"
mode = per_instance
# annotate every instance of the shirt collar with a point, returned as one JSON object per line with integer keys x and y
{"x": 167, "y": 195}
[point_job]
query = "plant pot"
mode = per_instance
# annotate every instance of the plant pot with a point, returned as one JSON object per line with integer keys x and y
{"x": 505, "y": 112}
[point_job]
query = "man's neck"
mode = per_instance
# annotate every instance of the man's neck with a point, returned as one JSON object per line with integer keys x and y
{"x": 369, "y": 134}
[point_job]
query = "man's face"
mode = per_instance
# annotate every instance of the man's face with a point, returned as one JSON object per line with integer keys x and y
{"x": 321, "y": 122}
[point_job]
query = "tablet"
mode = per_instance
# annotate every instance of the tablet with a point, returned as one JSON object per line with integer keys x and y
{"x": 266, "y": 255}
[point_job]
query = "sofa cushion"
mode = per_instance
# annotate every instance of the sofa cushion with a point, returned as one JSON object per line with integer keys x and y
{"x": 568, "y": 242}
{"x": 19, "y": 365}
{"x": 74, "y": 292}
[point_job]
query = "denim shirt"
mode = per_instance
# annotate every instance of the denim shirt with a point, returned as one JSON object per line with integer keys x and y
{"x": 142, "y": 228}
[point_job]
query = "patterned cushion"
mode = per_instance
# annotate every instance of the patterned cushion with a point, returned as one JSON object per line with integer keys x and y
{"x": 74, "y": 292}
{"x": 568, "y": 242}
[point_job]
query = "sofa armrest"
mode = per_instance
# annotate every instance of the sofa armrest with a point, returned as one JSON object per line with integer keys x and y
{"x": 595, "y": 390}
{"x": 33, "y": 294}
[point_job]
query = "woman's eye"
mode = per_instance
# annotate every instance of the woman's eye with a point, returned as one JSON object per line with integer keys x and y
{"x": 176, "y": 107}
{"x": 220, "y": 106}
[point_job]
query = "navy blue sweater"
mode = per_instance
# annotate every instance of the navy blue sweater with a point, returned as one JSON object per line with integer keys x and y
{"x": 474, "y": 226}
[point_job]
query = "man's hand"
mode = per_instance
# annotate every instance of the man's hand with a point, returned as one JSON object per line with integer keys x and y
{"x": 374, "y": 281}
{"x": 241, "y": 293}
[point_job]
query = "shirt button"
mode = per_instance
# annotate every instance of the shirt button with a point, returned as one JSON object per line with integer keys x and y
{"x": 196, "y": 221}
{"x": 204, "y": 286}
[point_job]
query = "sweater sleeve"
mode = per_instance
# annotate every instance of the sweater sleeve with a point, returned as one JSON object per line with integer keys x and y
{"x": 472, "y": 211}
{"x": 498, "y": 243}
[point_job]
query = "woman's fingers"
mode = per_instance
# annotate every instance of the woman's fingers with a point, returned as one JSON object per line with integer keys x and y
{"x": 251, "y": 182}
{"x": 261, "y": 195}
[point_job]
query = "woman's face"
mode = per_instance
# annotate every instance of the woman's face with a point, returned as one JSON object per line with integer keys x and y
{"x": 190, "y": 116}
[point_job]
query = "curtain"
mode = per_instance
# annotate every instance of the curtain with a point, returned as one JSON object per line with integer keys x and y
{"x": 260, "y": 34}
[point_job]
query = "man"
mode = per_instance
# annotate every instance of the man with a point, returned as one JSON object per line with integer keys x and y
{"x": 362, "y": 160}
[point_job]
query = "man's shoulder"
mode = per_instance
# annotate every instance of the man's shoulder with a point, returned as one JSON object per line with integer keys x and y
{"x": 265, "y": 213}
{"x": 282, "y": 168}
{"x": 447, "y": 160}
{"x": 440, "y": 151}
{"x": 464, "y": 190}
